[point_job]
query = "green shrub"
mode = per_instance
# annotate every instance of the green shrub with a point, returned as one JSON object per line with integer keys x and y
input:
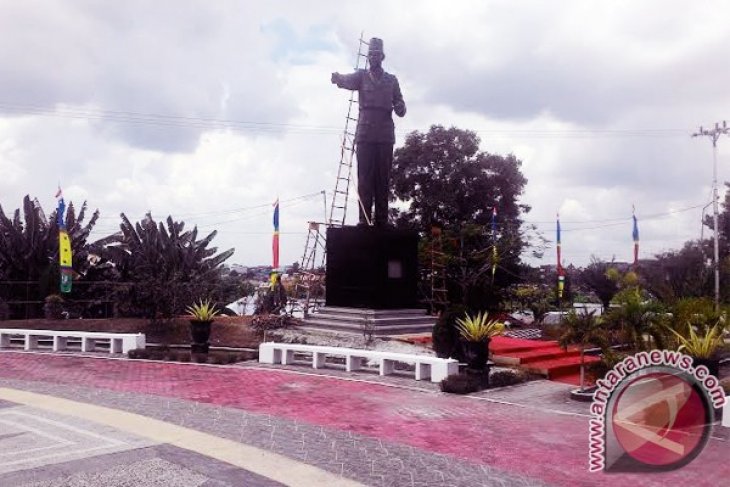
{"x": 609, "y": 359}
{"x": 218, "y": 359}
{"x": 138, "y": 353}
{"x": 53, "y": 307}
{"x": 445, "y": 335}
{"x": 460, "y": 384}
{"x": 266, "y": 322}
{"x": 504, "y": 378}
{"x": 4, "y": 310}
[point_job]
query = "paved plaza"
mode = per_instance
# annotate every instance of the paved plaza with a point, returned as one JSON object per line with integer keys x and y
{"x": 69, "y": 420}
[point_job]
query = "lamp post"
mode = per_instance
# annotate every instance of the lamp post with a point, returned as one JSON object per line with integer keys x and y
{"x": 714, "y": 135}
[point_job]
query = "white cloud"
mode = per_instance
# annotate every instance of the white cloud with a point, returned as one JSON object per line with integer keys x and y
{"x": 597, "y": 99}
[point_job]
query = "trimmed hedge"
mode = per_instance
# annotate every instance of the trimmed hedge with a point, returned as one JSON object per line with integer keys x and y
{"x": 218, "y": 357}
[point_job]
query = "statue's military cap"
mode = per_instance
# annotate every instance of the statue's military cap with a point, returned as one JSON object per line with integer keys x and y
{"x": 375, "y": 45}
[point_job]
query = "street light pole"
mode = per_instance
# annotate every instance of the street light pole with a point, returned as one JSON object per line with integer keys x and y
{"x": 714, "y": 135}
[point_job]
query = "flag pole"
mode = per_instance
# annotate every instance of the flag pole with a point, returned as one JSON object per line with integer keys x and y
{"x": 275, "y": 245}
{"x": 635, "y": 236}
{"x": 561, "y": 275}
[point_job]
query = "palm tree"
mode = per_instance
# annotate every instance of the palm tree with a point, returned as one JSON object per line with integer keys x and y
{"x": 582, "y": 329}
{"x": 639, "y": 320}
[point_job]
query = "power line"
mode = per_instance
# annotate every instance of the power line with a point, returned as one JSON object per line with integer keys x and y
{"x": 234, "y": 210}
{"x": 615, "y": 221}
{"x": 179, "y": 121}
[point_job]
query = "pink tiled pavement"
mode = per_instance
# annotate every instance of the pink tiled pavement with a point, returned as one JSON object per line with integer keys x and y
{"x": 539, "y": 443}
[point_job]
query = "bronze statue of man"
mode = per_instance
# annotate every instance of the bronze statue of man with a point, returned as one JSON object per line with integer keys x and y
{"x": 379, "y": 96}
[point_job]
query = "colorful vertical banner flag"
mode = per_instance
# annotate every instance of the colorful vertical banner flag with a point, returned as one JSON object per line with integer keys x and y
{"x": 561, "y": 273}
{"x": 635, "y": 235}
{"x": 495, "y": 257}
{"x": 65, "y": 258}
{"x": 275, "y": 243}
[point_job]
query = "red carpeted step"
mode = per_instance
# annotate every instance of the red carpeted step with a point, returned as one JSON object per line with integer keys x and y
{"x": 572, "y": 379}
{"x": 540, "y": 354}
{"x": 560, "y": 366}
{"x": 506, "y": 346}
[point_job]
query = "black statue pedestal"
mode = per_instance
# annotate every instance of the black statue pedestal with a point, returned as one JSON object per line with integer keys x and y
{"x": 372, "y": 267}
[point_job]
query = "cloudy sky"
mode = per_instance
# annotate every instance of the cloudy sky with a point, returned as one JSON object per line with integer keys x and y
{"x": 207, "y": 110}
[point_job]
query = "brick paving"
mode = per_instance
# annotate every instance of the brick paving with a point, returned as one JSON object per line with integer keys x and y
{"x": 375, "y": 434}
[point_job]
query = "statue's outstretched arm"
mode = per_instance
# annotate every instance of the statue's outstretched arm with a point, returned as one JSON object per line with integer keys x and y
{"x": 347, "y": 81}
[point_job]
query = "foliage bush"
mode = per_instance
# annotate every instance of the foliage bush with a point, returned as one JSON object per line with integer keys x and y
{"x": 698, "y": 312}
{"x": 53, "y": 307}
{"x": 138, "y": 353}
{"x": 504, "y": 378}
{"x": 609, "y": 359}
{"x": 460, "y": 384}
{"x": 271, "y": 300}
{"x": 29, "y": 251}
{"x": 4, "y": 310}
{"x": 265, "y": 322}
{"x": 172, "y": 355}
{"x": 167, "y": 266}
{"x": 445, "y": 335}
{"x": 638, "y": 321}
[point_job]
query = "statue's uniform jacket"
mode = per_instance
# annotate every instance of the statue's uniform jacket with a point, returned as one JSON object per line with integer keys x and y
{"x": 378, "y": 98}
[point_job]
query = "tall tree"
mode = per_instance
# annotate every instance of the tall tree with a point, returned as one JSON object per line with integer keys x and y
{"x": 678, "y": 274}
{"x": 597, "y": 278}
{"x": 441, "y": 177}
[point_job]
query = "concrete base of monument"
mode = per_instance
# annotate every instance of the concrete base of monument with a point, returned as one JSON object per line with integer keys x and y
{"x": 372, "y": 268}
{"x": 373, "y": 322}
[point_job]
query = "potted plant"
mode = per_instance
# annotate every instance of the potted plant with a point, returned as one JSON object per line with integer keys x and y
{"x": 201, "y": 317}
{"x": 702, "y": 348}
{"x": 476, "y": 332}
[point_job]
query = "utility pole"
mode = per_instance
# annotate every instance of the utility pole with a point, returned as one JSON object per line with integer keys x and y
{"x": 715, "y": 134}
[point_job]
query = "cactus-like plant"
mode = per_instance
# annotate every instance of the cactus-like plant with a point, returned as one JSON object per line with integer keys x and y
{"x": 203, "y": 311}
{"x": 700, "y": 346}
{"x": 478, "y": 328}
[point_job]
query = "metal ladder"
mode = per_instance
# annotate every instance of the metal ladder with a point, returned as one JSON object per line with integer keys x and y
{"x": 439, "y": 294}
{"x": 338, "y": 210}
{"x": 310, "y": 281}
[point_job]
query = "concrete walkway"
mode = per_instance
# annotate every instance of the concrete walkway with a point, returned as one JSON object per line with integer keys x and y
{"x": 291, "y": 428}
